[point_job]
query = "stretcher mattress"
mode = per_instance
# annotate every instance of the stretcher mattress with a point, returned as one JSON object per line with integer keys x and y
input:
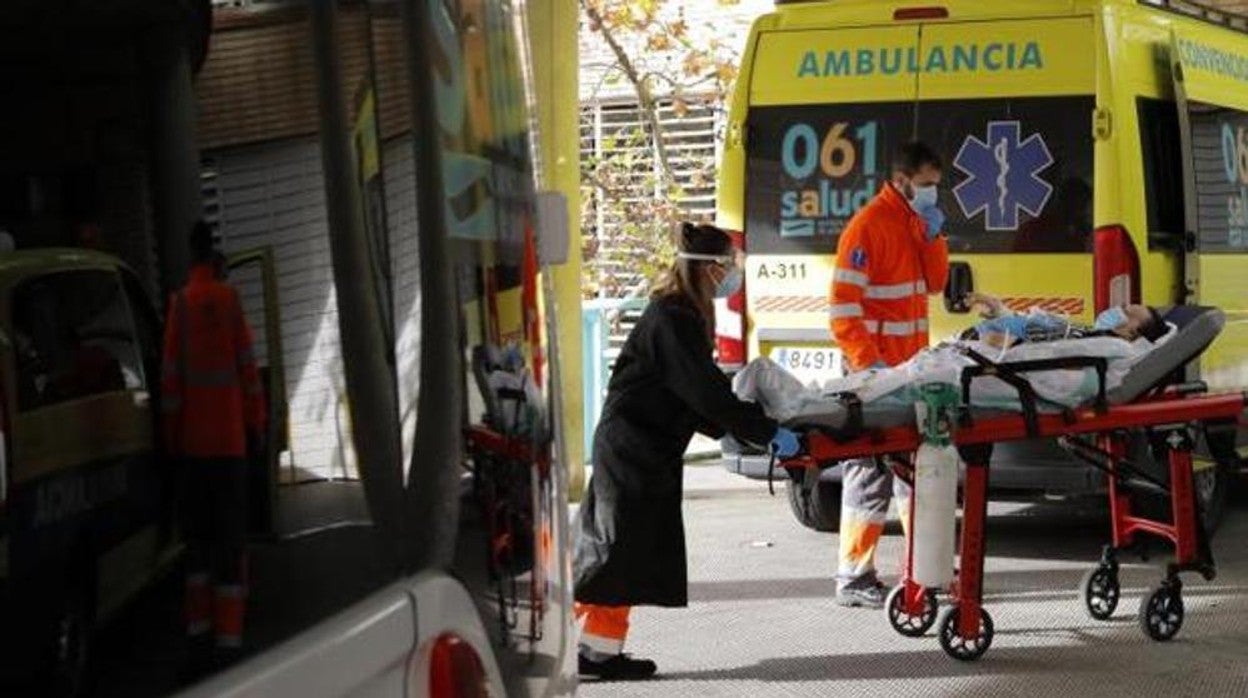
{"x": 1194, "y": 329}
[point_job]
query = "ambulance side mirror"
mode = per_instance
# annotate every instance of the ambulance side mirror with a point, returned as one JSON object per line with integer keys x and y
{"x": 961, "y": 284}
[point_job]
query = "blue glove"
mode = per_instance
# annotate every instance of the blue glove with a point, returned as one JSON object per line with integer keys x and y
{"x": 785, "y": 443}
{"x": 935, "y": 219}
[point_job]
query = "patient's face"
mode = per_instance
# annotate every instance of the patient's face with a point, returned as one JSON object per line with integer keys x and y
{"x": 1138, "y": 317}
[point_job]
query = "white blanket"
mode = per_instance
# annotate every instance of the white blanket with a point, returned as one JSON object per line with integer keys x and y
{"x": 784, "y": 398}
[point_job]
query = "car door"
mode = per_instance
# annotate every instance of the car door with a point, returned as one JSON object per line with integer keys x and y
{"x": 254, "y": 274}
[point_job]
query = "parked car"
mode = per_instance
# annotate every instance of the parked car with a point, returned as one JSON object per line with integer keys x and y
{"x": 85, "y": 514}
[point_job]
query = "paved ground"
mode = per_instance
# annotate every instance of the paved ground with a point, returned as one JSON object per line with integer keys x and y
{"x": 761, "y": 621}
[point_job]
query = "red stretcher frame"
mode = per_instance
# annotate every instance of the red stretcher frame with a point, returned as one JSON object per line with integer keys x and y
{"x": 517, "y": 452}
{"x": 1168, "y": 411}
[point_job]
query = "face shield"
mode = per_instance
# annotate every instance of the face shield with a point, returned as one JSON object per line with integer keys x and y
{"x": 733, "y": 265}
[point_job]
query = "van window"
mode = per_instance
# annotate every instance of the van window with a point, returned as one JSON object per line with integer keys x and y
{"x": 74, "y": 338}
{"x": 1162, "y": 153}
{"x": 146, "y": 325}
{"x": 1219, "y": 152}
{"x": 1017, "y": 172}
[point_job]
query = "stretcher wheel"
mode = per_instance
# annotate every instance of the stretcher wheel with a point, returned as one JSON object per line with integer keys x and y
{"x": 1161, "y": 612}
{"x": 965, "y": 649}
{"x": 1100, "y": 592}
{"x": 906, "y": 623}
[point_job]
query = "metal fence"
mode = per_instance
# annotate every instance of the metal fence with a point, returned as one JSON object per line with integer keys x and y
{"x": 605, "y": 324}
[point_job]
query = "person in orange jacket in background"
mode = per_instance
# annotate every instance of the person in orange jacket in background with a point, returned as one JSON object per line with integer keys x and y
{"x": 890, "y": 257}
{"x": 213, "y": 410}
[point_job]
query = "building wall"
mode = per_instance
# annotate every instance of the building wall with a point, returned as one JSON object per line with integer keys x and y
{"x": 258, "y": 84}
{"x": 272, "y": 195}
{"x": 76, "y": 150}
{"x": 263, "y": 187}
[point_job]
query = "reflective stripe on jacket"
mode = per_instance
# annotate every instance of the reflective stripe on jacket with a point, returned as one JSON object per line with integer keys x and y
{"x": 885, "y": 269}
{"x": 210, "y": 385}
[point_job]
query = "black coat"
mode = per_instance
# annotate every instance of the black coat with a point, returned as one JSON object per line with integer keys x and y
{"x": 630, "y": 545}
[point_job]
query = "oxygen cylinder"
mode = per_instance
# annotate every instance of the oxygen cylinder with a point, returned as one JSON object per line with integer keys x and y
{"x": 933, "y": 538}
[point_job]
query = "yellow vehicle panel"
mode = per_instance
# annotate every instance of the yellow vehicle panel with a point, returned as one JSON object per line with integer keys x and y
{"x": 1225, "y": 365}
{"x": 69, "y": 434}
{"x": 873, "y": 64}
{"x": 1035, "y": 57}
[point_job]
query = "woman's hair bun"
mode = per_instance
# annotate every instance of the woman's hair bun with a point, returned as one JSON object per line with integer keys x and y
{"x": 704, "y": 239}
{"x": 686, "y": 235}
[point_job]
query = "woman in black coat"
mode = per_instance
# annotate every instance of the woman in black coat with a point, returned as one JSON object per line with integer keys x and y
{"x": 630, "y": 547}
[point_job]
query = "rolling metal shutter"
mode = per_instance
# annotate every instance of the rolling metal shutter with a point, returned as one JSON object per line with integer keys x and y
{"x": 273, "y": 195}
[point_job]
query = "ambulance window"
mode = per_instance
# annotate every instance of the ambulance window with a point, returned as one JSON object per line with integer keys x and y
{"x": 1017, "y": 174}
{"x": 74, "y": 338}
{"x": 146, "y": 323}
{"x": 1162, "y": 154}
{"x": 1218, "y": 138}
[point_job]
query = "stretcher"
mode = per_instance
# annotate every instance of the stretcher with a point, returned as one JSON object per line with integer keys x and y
{"x": 511, "y": 471}
{"x": 1151, "y": 399}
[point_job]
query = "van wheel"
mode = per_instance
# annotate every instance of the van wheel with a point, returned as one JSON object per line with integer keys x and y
{"x": 815, "y": 504}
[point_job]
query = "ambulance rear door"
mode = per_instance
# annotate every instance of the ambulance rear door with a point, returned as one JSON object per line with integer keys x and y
{"x": 818, "y": 146}
{"x": 1009, "y": 105}
{"x": 1211, "y": 90}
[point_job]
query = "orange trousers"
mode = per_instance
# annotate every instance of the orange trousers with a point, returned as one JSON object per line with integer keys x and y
{"x": 605, "y": 627}
{"x": 866, "y": 490}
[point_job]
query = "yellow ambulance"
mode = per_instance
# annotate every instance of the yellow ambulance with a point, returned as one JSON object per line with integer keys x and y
{"x": 1096, "y": 152}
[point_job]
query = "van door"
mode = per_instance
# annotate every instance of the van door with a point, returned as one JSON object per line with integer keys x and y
{"x": 818, "y": 149}
{"x": 1212, "y": 98}
{"x": 253, "y": 273}
{"x": 1009, "y": 105}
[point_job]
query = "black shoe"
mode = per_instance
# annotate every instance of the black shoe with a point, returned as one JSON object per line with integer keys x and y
{"x": 621, "y": 667}
{"x": 869, "y": 595}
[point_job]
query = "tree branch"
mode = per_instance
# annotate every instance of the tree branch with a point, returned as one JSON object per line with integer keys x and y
{"x": 645, "y": 99}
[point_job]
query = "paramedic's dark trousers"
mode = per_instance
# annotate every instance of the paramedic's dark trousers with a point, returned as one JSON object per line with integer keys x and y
{"x": 214, "y": 506}
{"x": 866, "y": 489}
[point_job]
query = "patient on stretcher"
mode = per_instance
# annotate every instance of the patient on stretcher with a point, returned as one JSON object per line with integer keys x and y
{"x": 1001, "y": 327}
{"x": 1122, "y": 338}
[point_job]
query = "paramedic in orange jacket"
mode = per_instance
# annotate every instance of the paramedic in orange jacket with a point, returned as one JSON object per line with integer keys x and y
{"x": 213, "y": 412}
{"x": 890, "y": 257}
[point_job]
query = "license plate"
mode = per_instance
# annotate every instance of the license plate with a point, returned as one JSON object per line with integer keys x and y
{"x": 808, "y": 363}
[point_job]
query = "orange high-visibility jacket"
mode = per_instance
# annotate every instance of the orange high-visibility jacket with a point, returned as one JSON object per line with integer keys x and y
{"x": 210, "y": 386}
{"x": 885, "y": 269}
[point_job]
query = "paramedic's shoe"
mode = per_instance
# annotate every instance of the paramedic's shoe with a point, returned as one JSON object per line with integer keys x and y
{"x": 869, "y": 595}
{"x": 619, "y": 667}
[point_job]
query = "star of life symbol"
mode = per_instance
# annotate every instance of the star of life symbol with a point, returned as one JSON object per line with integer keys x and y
{"x": 1003, "y": 175}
